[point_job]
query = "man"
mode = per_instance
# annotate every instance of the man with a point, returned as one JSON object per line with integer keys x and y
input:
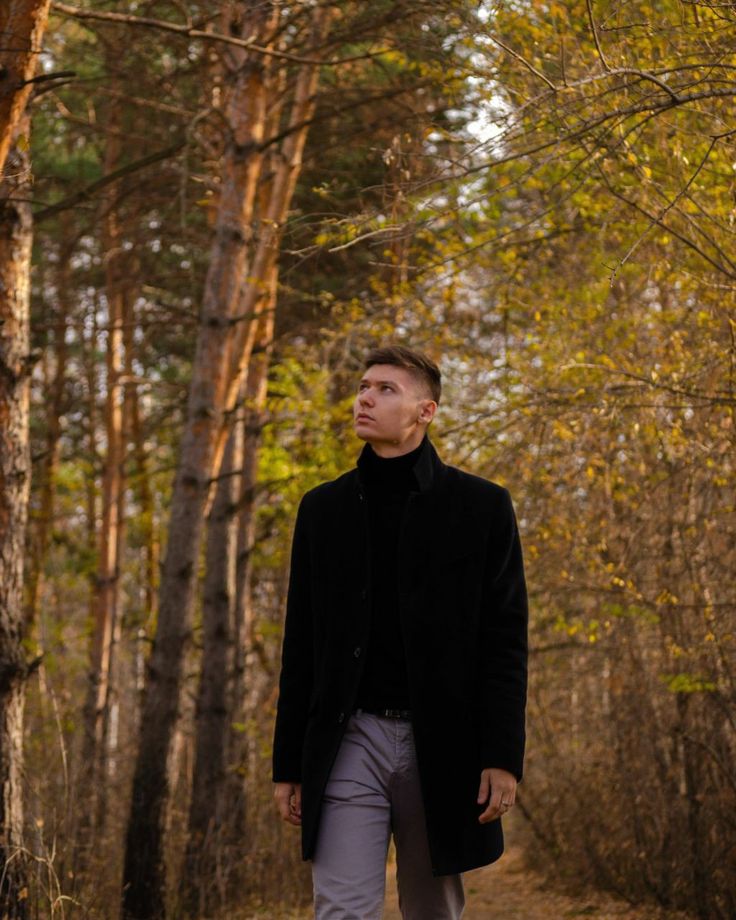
{"x": 403, "y": 680}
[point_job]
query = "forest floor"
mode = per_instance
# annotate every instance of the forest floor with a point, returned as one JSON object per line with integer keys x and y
{"x": 510, "y": 890}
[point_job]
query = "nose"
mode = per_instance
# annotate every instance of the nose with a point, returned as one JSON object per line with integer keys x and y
{"x": 365, "y": 398}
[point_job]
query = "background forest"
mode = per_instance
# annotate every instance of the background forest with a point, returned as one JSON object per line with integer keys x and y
{"x": 209, "y": 212}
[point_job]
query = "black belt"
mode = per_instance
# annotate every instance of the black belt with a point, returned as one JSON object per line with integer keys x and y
{"x": 388, "y": 713}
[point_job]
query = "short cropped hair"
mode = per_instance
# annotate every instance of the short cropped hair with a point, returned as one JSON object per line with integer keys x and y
{"x": 422, "y": 368}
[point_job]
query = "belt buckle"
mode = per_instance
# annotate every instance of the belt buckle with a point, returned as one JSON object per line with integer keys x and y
{"x": 396, "y": 713}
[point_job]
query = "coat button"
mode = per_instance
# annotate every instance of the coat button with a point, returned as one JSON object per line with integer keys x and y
{"x": 356, "y": 653}
{"x": 341, "y": 718}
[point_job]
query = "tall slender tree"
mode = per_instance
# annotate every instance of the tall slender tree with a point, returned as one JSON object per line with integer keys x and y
{"x": 22, "y": 25}
{"x": 223, "y": 344}
{"x": 106, "y": 585}
{"x": 15, "y": 479}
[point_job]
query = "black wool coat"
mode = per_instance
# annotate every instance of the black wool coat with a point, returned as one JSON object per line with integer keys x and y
{"x": 463, "y": 609}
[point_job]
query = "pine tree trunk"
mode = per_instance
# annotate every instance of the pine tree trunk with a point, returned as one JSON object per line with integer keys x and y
{"x": 106, "y": 582}
{"x": 141, "y": 476}
{"x": 246, "y": 645}
{"x": 55, "y": 387}
{"x": 16, "y": 229}
{"x": 25, "y": 22}
{"x": 287, "y": 167}
{"x": 220, "y": 367}
{"x": 144, "y": 882}
{"x": 207, "y": 809}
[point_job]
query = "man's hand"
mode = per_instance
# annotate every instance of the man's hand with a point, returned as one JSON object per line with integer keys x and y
{"x": 498, "y": 788}
{"x": 288, "y": 798}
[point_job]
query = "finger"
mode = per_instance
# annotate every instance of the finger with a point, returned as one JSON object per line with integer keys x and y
{"x": 283, "y": 806}
{"x": 282, "y": 795}
{"x": 485, "y": 788}
{"x": 297, "y": 801}
{"x": 289, "y": 815}
{"x": 493, "y": 810}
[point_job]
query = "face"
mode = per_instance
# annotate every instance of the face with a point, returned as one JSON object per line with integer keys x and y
{"x": 391, "y": 409}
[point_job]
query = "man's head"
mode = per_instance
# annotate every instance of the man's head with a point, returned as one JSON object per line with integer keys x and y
{"x": 397, "y": 398}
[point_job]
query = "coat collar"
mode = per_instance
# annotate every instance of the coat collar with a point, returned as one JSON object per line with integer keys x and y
{"x": 428, "y": 468}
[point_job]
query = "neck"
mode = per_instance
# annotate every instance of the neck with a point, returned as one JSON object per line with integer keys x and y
{"x": 388, "y": 449}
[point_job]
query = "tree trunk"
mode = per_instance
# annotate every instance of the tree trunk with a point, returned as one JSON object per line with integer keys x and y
{"x": 246, "y": 643}
{"x": 22, "y": 26}
{"x": 106, "y": 582}
{"x": 144, "y": 882}
{"x": 207, "y": 809}
{"x": 141, "y": 475}
{"x": 258, "y": 294}
{"x": 24, "y": 21}
{"x": 16, "y": 230}
{"x": 55, "y": 387}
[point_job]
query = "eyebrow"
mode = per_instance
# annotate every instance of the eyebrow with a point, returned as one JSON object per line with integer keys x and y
{"x": 393, "y": 383}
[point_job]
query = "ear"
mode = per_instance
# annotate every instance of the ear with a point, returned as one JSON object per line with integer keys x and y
{"x": 427, "y": 409}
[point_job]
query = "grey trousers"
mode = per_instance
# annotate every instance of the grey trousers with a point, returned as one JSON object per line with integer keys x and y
{"x": 373, "y": 791}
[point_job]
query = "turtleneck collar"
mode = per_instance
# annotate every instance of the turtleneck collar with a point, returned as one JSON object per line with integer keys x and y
{"x": 391, "y": 474}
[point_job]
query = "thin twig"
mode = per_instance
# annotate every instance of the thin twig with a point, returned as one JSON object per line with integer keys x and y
{"x": 190, "y": 32}
{"x": 594, "y": 30}
{"x": 84, "y": 194}
{"x": 529, "y": 67}
{"x": 657, "y": 221}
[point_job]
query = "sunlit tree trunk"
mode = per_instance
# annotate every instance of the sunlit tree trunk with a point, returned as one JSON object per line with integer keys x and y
{"x": 15, "y": 475}
{"x": 219, "y": 368}
{"x": 246, "y": 644}
{"x": 105, "y": 599}
{"x": 24, "y": 21}
{"x": 273, "y": 217}
{"x": 22, "y": 26}
{"x": 144, "y": 883}
{"x": 140, "y": 479}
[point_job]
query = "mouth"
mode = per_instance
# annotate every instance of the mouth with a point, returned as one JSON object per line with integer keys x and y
{"x": 362, "y": 417}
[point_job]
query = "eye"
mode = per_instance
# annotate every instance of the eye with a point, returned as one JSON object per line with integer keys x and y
{"x": 387, "y": 387}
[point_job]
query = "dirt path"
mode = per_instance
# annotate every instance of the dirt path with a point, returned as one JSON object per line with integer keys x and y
{"x": 508, "y": 890}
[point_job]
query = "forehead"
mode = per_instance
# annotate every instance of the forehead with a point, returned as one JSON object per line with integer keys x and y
{"x": 388, "y": 373}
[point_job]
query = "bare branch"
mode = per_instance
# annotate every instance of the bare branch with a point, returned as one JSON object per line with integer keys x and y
{"x": 665, "y": 210}
{"x": 126, "y": 170}
{"x": 594, "y": 30}
{"x": 523, "y": 60}
{"x": 189, "y": 31}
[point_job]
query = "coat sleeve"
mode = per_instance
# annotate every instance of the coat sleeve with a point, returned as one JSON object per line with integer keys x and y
{"x": 504, "y": 647}
{"x": 295, "y": 683}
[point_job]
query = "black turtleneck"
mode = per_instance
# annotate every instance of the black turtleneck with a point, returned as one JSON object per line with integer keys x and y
{"x": 388, "y": 482}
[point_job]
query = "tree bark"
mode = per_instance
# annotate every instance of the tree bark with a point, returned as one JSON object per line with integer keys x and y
{"x": 16, "y": 228}
{"x": 220, "y": 365}
{"x": 141, "y": 476}
{"x": 246, "y": 644}
{"x": 105, "y": 600}
{"x": 257, "y": 295}
{"x": 55, "y": 386}
{"x": 22, "y": 26}
{"x": 144, "y": 881}
{"x": 207, "y": 808}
